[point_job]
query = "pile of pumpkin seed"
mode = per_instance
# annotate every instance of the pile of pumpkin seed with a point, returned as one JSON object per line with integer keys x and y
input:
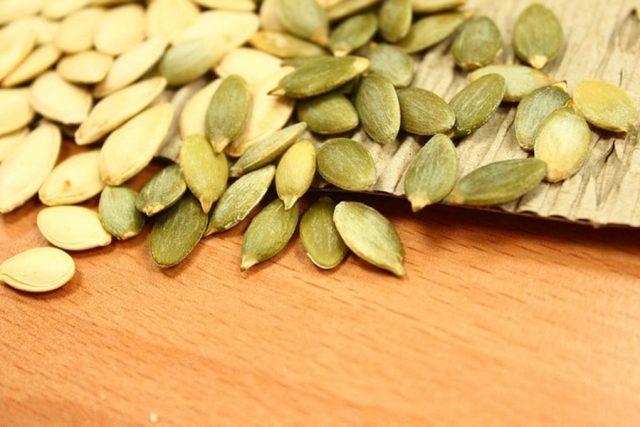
{"x": 226, "y": 93}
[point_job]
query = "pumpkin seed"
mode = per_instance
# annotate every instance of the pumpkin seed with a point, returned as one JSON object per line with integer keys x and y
{"x": 269, "y": 16}
{"x": 76, "y": 30}
{"x": 14, "y": 9}
{"x": 10, "y": 141}
{"x": 240, "y": 199}
{"x": 73, "y": 228}
{"x": 86, "y": 67}
{"x": 187, "y": 61}
{"x": 231, "y": 29}
{"x": 38, "y": 270}
{"x": 433, "y": 6}
{"x": 177, "y": 232}
{"x": 205, "y": 172}
{"x": 118, "y": 213}
{"x": 163, "y": 190}
{"x": 169, "y": 18}
{"x": 43, "y": 29}
{"x": 33, "y": 65}
{"x": 537, "y": 35}
{"x": 478, "y": 44}
{"x": 117, "y": 108}
{"x": 424, "y": 113}
{"x": 57, "y": 9}
{"x": 477, "y": 103}
{"x": 346, "y": 164}
{"x": 55, "y": 99}
{"x": 328, "y": 114}
{"x": 194, "y": 114}
{"x": 563, "y": 142}
{"x": 284, "y": 45}
{"x": 228, "y": 112}
{"x": 27, "y": 166}
{"x": 379, "y": 109}
{"x": 13, "y": 50}
{"x": 395, "y": 17}
{"x": 121, "y": 29}
{"x": 320, "y": 237}
{"x": 15, "y": 110}
{"x": 268, "y": 149}
{"x": 606, "y": 106}
{"x": 305, "y": 19}
{"x": 295, "y": 172}
{"x": 534, "y": 109}
{"x": 430, "y": 31}
{"x": 392, "y": 63}
{"x": 521, "y": 80}
{"x": 353, "y": 33}
{"x": 322, "y": 76}
{"x": 370, "y": 236}
{"x": 251, "y": 64}
{"x": 75, "y": 180}
{"x": 268, "y": 233}
{"x": 498, "y": 182}
{"x": 346, "y": 8}
{"x": 238, "y": 5}
{"x": 131, "y": 147}
{"x": 432, "y": 174}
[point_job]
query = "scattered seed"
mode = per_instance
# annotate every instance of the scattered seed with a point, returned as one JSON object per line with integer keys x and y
{"x": 75, "y": 180}
{"x": 284, "y": 45}
{"x": 328, "y": 114}
{"x": 537, "y": 35}
{"x": 534, "y": 109}
{"x": 392, "y": 63}
{"x": 120, "y": 29}
{"x": 33, "y": 65}
{"x": 87, "y": 67}
{"x": 11, "y": 141}
{"x": 15, "y": 110}
{"x": 163, "y": 190}
{"x": 353, "y": 33}
{"x": 478, "y": 44}
{"x": 232, "y": 29}
{"x": 424, "y": 113}
{"x": 194, "y": 114}
{"x": 379, "y": 109}
{"x": 38, "y": 270}
{"x": 13, "y": 51}
{"x": 320, "y": 237}
{"x": 76, "y": 30}
{"x": 118, "y": 213}
{"x": 521, "y": 80}
{"x": 475, "y": 105}
{"x": 228, "y": 112}
{"x": 295, "y": 172}
{"x": 606, "y": 106}
{"x": 252, "y": 65}
{"x": 187, "y": 61}
{"x": 73, "y": 228}
{"x": 58, "y": 100}
{"x": 346, "y": 164}
{"x": 430, "y": 31}
{"x": 169, "y": 18}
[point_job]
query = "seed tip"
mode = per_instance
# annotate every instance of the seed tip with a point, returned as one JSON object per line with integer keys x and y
{"x": 538, "y": 61}
{"x": 247, "y": 263}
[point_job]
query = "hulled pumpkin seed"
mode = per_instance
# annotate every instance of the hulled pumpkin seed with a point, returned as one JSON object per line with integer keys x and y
{"x": 346, "y": 164}
{"x": 73, "y": 228}
{"x": 521, "y": 80}
{"x": 25, "y": 169}
{"x": 177, "y": 232}
{"x": 118, "y": 213}
{"x": 322, "y": 76}
{"x": 14, "y": 51}
{"x": 370, "y": 236}
{"x": 353, "y": 33}
{"x": 432, "y": 174}
{"x": 284, "y": 45}
{"x": 563, "y": 142}
{"x": 33, "y": 65}
{"x": 238, "y": 5}
{"x": 194, "y": 114}
{"x": 15, "y": 110}
{"x": 168, "y": 18}
{"x": 251, "y": 64}
{"x": 268, "y": 233}
{"x": 606, "y": 106}
{"x": 478, "y": 44}
{"x": 190, "y": 59}
{"x": 433, "y": 6}
{"x": 534, "y": 109}
{"x": 205, "y": 172}
{"x": 379, "y": 109}
{"x": 55, "y": 99}
{"x": 163, "y": 190}
{"x": 120, "y": 29}
{"x": 328, "y": 114}
{"x": 232, "y": 29}
{"x": 430, "y": 31}
{"x": 346, "y": 8}
{"x": 76, "y": 30}
{"x": 320, "y": 237}
{"x": 477, "y": 103}
{"x": 392, "y": 63}
{"x": 10, "y": 141}
{"x": 228, "y": 112}
{"x": 498, "y": 182}
{"x": 268, "y": 149}
{"x": 38, "y": 270}
{"x": 73, "y": 181}
{"x": 86, "y": 67}
{"x": 240, "y": 199}
{"x": 295, "y": 172}
{"x": 424, "y": 113}
{"x": 304, "y": 18}
{"x": 395, "y": 18}
{"x": 537, "y": 35}
{"x": 131, "y": 148}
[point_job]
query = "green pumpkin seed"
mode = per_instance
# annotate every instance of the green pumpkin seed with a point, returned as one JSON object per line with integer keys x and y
{"x": 606, "y": 106}
{"x": 284, "y": 45}
{"x": 190, "y": 59}
{"x": 353, "y": 33}
{"x": 346, "y": 164}
{"x": 118, "y": 213}
{"x": 433, "y": 6}
{"x": 177, "y": 231}
{"x": 320, "y": 237}
{"x": 205, "y": 172}
{"x": 302, "y": 60}
{"x": 392, "y": 63}
{"x": 322, "y": 76}
{"x": 295, "y": 172}
{"x": 432, "y": 174}
{"x": 268, "y": 149}
{"x": 521, "y": 80}
{"x": 346, "y": 8}
{"x": 240, "y": 199}
{"x": 268, "y": 233}
{"x": 304, "y": 18}
{"x": 38, "y": 270}
{"x": 478, "y": 44}
{"x": 534, "y": 109}
{"x": 328, "y": 114}
{"x": 475, "y": 105}
{"x": 162, "y": 191}
{"x": 424, "y": 113}
{"x": 498, "y": 183}
{"x": 395, "y": 18}
{"x": 370, "y": 236}
{"x": 564, "y": 143}
{"x": 537, "y": 35}
{"x": 430, "y": 31}
{"x": 379, "y": 109}
{"x": 228, "y": 112}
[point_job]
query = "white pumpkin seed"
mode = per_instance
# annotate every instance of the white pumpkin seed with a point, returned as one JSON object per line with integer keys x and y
{"x": 534, "y": 109}
{"x": 76, "y": 30}
{"x": 169, "y": 18}
{"x": 33, "y": 65}
{"x": 38, "y": 270}
{"x": 521, "y": 80}
{"x": 232, "y": 29}
{"x": 13, "y": 50}
{"x": 194, "y": 114}
{"x": 73, "y": 228}
{"x": 73, "y": 181}
{"x": 58, "y": 100}
{"x": 15, "y": 110}
{"x": 44, "y": 30}
{"x": 120, "y": 29}
{"x": 188, "y": 60}
{"x": 86, "y": 67}
{"x": 237, "y": 5}
{"x": 250, "y": 64}
{"x": 14, "y": 9}
{"x": 284, "y": 45}
{"x": 606, "y": 106}
{"x": 58, "y": 9}
{"x": 10, "y": 141}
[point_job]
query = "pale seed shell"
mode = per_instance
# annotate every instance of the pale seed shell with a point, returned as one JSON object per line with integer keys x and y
{"x": 118, "y": 213}
{"x": 76, "y": 30}
{"x": 328, "y": 114}
{"x": 424, "y": 113}
{"x": 250, "y": 64}
{"x": 284, "y": 45}
{"x": 86, "y": 67}
{"x": 521, "y": 80}
{"x": 231, "y": 29}
{"x": 121, "y": 29}
{"x": 353, "y": 33}
{"x": 395, "y": 17}
{"x": 370, "y": 236}
{"x": 606, "y": 106}
{"x": 537, "y": 35}
{"x": 533, "y": 111}
{"x": 430, "y": 31}
{"x": 73, "y": 228}
{"x": 433, "y": 6}
{"x": 320, "y": 237}
{"x": 305, "y": 19}
{"x": 295, "y": 172}
{"x": 14, "y": 9}
{"x": 33, "y": 65}
{"x": 73, "y": 181}
{"x": 43, "y": 29}
{"x": 194, "y": 114}
{"x": 268, "y": 14}
{"x": 477, "y": 103}
{"x": 38, "y": 270}
{"x": 379, "y": 109}
{"x": 58, "y": 100}
{"x": 228, "y": 112}
{"x": 478, "y": 44}
{"x": 392, "y": 63}
{"x": 345, "y": 8}
{"x": 163, "y": 190}
{"x": 15, "y": 110}
{"x": 237, "y": 5}
{"x": 190, "y": 59}
{"x": 10, "y": 141}
{"x": 13, "y": 50}
{"x": 58, "y": 9}
{"x": 169, "y": 18}
{"x": 346, "y": 164}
